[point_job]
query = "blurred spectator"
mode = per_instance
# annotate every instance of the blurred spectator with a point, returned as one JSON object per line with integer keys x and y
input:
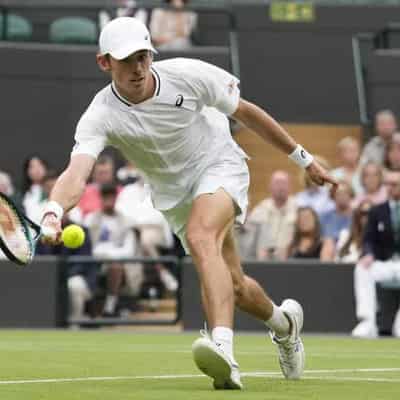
{"x": 134, "y": 202}
{"x": 48, "y": 182}
{"x": 349, "y": 156}
{"x": 34, "y": 170}
{"x": 306, "y": 241}
{"x": 103, "y": 173}
{"x": 247, "y": 236}
{"x": 314, "y": 196}
{"x": 349, "y": 246}
{"x": 129, "y": 174}
{"x": 392, "y": 154}
{"x": 113, "y": 238}
{"x": 338, "y": 219}
{"x": 172, "y": 29}
{"x": 127, "y": 8}
{"x": 7, "y": 187}
{"x": 372, "y": 182}
{"x": 81, "y": 277}
{"x": 385, "y": 126}
{"x": 381, "y": 255}
{"x": 276, "y": 217}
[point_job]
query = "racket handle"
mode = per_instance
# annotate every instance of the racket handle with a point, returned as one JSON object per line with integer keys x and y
{"x": 49, "y": 232}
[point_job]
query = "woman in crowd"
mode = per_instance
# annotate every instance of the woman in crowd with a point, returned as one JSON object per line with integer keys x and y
{"x": 372, "y": 182}
{"x": 349, "y": 156}
{"x": 172, "y": 29}
{"x": 306, "y": 242}
{"x": 349, "y": 245}
{"x": 392, "y": 154}
{"x": 34, "y": 170}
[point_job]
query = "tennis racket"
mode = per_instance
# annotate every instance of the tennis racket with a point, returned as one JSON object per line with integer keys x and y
{"x": 18, "y": 234}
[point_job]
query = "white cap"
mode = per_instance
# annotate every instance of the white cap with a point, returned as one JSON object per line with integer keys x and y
{"x": 124, "y": 36}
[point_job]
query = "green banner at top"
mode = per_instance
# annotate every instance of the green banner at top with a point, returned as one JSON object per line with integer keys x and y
{"x": 286, "y": 11}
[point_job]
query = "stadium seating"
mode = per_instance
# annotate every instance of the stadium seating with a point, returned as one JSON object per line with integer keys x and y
{"x": 18, "y": 28}
{"x": 73, "y": 30}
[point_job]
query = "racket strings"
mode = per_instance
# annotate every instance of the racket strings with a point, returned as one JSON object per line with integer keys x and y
{"x": 12, "y": 232}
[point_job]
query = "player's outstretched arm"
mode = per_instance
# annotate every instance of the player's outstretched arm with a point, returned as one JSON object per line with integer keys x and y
{"x": 260, "y": 122}
{"x": 65, "y": 195}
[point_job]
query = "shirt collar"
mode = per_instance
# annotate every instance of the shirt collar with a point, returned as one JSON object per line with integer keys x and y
{"x": 123, "y": 100}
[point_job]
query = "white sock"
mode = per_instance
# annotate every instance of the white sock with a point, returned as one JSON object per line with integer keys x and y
{"x": 110, "y": 303}
{"x": 224, "y": 338}
{"x": 278, "y": 322}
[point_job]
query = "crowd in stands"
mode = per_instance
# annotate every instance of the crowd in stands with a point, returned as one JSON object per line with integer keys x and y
{"x": 171, "y": 28}
{"x": 120, "y": 223}
{"x": 336, "y": 226}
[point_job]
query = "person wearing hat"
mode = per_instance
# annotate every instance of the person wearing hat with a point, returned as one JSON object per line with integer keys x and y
{"x": 170, "y": 118}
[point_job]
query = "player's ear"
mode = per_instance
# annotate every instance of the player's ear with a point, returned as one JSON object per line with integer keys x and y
{"x": 103, "y": 61}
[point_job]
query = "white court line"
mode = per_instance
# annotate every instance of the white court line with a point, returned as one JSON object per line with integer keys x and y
{"x": 327, "y": 371}
{"x": 387, "y": 355}
{"x": 344, "y": 378}
{"x": 260, "y": 374}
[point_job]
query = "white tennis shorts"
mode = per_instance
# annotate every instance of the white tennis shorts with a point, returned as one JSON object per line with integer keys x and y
{"x": 231, "y": 174}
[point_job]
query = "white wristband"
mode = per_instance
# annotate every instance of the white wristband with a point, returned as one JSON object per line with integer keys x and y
{"x": 52, "y": 207}
{"x": 301, "y": 157}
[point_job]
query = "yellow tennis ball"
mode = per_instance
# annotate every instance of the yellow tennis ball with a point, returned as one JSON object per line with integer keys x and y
{"x": 73, "y": 236}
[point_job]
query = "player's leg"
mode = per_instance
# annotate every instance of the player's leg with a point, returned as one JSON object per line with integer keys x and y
{"x": 285, "y": 321}
{"x": 79, "y": 293}
{"x": 366, "y": 303}
{"x": 115, "y": 277}
{"x": 210, "y": 218}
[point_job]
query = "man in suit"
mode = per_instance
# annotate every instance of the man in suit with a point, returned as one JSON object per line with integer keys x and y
{"x": 381, "y": 256}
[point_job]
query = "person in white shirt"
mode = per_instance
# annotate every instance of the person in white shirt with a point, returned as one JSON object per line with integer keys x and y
{"x": 113, "y": 238}
{"x": 171, "y": 29}
{"x": 276, "y": 216}
{"x": 170, "y": 118}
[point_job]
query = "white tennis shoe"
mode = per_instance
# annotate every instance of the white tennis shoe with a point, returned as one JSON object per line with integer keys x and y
{"x": 365, "y": 329}
{"x": 290, "y": 348}
{"x": 214, "y": 362}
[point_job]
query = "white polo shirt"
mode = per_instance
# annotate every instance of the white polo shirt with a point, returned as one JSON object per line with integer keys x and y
{"x": 174, "y": 135}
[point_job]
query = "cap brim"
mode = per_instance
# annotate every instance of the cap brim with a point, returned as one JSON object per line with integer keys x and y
{"x": 126, "y": 51}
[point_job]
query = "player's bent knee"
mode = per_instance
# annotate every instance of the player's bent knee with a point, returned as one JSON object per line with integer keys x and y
{"x": 201, "y": 242}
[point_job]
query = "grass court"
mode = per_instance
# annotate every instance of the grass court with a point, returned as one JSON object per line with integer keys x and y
{"x": 92, "y": 365}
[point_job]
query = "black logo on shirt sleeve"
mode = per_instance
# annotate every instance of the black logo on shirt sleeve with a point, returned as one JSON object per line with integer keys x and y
{"x": 179, "y": 100}
{"x": 303, "y": 154}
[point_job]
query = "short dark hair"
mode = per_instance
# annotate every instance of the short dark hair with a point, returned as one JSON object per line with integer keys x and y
{"x": 108, "y": 189}
{"x": 104, "y": 159}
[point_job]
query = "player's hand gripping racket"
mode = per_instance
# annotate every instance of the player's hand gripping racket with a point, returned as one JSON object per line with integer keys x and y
{"x": 18, "y": 234}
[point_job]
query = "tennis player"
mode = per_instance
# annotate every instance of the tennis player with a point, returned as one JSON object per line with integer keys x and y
{"x": 170, "y": 119}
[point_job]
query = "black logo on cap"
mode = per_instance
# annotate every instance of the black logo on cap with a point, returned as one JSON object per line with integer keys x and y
{"x": 179, "y": 100}
{"x": 303, "y": 154}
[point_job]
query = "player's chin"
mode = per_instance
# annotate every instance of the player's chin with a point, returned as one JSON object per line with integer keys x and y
{"x": 137, "y": 83}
